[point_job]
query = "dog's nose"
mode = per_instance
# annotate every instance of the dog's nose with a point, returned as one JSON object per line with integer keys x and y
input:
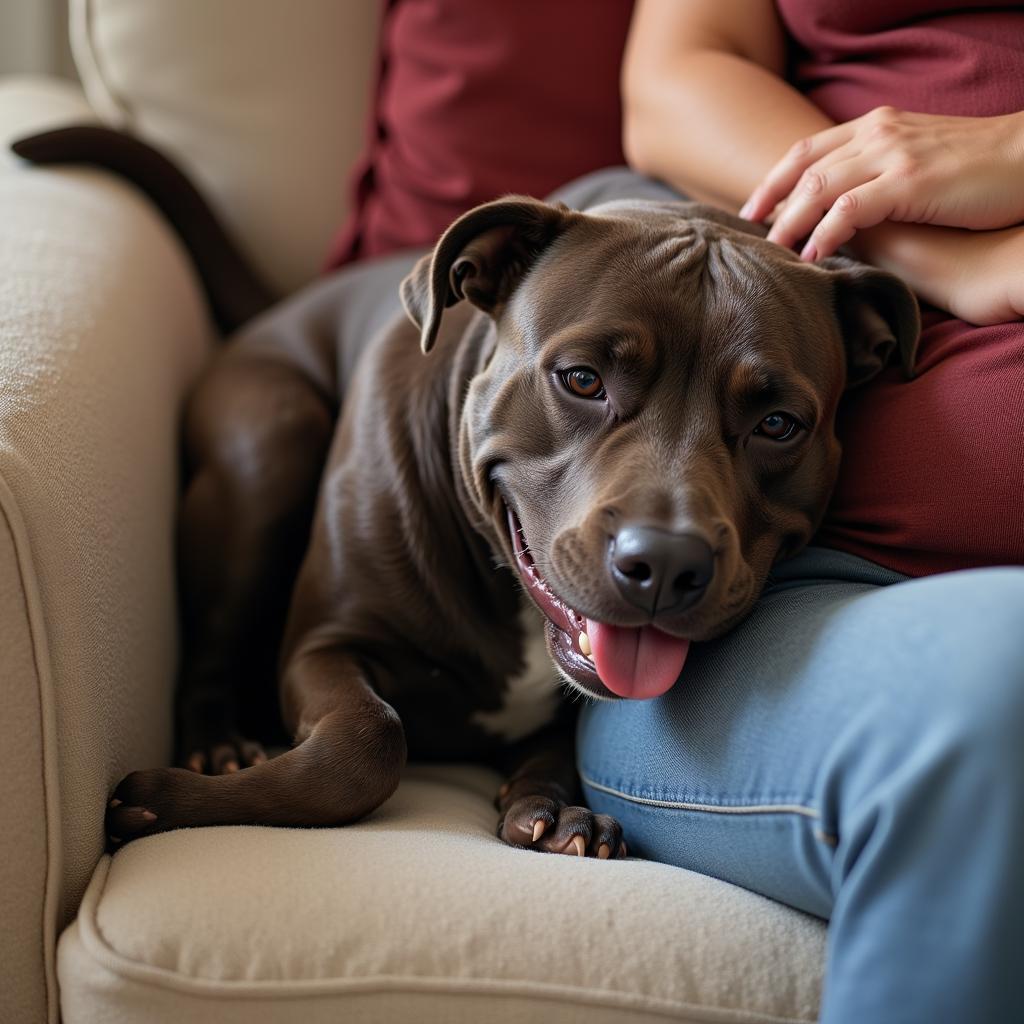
{"x": 660, "y": 571}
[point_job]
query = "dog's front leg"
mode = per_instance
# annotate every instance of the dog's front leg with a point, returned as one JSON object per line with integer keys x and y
{"x": 348, "y": 756}
{"x": 541, "y": 804}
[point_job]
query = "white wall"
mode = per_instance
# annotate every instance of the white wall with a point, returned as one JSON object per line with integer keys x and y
{"x": 33, "y": 37}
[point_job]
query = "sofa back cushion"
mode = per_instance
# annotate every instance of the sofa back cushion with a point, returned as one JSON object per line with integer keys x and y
{"x": 263, "y": 102}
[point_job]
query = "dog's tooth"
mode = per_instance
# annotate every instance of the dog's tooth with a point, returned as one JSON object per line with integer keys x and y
{"x": 584, "y": 641}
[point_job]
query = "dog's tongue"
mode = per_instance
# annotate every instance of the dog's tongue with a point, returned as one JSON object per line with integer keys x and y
{"x": 639, "y": 662}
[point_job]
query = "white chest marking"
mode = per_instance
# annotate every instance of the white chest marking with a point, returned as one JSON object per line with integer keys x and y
{"x": 530, "y": 698}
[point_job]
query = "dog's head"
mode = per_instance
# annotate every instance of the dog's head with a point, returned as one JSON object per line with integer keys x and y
{"x": 651, "y": 424}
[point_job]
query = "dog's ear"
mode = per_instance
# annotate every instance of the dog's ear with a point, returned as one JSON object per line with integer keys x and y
{"x": 481, "y": 257}
{"x": 878, "y": 315}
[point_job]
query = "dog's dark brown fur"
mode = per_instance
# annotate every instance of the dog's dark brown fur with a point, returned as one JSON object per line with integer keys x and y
{"x": 362, "y": 497}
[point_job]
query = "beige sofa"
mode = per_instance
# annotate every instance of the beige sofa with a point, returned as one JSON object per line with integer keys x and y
{"x": 418, "y": 914}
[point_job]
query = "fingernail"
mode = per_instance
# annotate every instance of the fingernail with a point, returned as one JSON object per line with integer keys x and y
{"x": 538, "y": 829}
{"x": 747, "y": 209}
{"x": 809, "y": 252}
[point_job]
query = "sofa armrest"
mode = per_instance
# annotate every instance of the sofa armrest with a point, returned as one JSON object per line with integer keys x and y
{"x": 36, "y": 103}
{"x": 102, "y": 330}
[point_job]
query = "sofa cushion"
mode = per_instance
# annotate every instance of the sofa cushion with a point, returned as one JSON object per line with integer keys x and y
{"x": 420, "y": 914}
{"x": 479, "y": 99}
{"x": 263, "y": 102}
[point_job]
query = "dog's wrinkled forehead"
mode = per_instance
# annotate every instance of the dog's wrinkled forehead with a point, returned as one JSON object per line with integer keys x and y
{"x": 677, "y": 266}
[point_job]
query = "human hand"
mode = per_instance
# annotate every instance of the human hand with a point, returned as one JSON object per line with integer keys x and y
{"x": 965, "y": 172}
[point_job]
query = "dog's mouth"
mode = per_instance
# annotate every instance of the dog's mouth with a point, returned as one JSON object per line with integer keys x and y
{"x": 637, "y": 662}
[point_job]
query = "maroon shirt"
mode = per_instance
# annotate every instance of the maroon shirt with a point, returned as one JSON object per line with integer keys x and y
{"x": 477, "y": 98}
{"x": 933, "y": 469}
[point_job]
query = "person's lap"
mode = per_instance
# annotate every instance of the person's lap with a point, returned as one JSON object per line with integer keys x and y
{"x": 747, "y": 763}
{"x": 852, "y": 749}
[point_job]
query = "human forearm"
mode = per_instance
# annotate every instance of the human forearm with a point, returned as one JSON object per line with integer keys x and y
{"x": 712, "y": 123}
{"x": 976, "y": 275}
{"x": 923, "y": 255}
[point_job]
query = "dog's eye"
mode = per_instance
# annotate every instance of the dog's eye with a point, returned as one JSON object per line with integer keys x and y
{"x": 583, "y": 381}
{"x": 778, "y": 426}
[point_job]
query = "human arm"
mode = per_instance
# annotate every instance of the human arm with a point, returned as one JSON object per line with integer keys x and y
{"x": 978, "y": 276}
{"x": 711, "y": 71}
{"x": 706, "y": 107}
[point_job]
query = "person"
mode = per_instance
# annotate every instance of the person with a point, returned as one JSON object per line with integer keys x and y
{"x": 853, "y": 749}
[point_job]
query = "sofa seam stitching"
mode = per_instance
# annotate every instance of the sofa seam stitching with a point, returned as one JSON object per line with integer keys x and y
{"x": 35, "y": 620}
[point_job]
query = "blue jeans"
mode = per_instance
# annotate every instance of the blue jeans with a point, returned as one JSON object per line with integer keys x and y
{"x": 855, "y": 749}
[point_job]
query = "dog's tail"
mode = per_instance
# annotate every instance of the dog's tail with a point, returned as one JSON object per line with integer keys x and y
{"x": 235, "y": 291}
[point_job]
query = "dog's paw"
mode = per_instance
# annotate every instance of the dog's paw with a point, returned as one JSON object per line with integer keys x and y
{"x": 540, "y": 823}
{"x": 143, "y": 804}
{"x": 222, "y": 756}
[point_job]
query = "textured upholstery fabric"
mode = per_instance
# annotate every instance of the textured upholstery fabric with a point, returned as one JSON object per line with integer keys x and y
{"x": 263, "y": 102}
{"x": 420, "y": 914}
{"x": 101, "y": 330}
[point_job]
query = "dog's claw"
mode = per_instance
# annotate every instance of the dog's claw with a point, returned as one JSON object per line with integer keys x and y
{"x": 114, "y": 802}
{"x": 224, "y": 757}
{"x": 543, "y": 824}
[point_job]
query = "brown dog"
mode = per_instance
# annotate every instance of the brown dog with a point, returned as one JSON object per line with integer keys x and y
{"x": 609, "y": 443}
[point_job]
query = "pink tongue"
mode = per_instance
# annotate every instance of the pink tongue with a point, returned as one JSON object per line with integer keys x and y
{"x": 638, "y": 662}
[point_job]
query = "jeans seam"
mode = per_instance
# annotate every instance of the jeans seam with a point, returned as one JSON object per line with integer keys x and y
{"x": 682, "y": 805}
